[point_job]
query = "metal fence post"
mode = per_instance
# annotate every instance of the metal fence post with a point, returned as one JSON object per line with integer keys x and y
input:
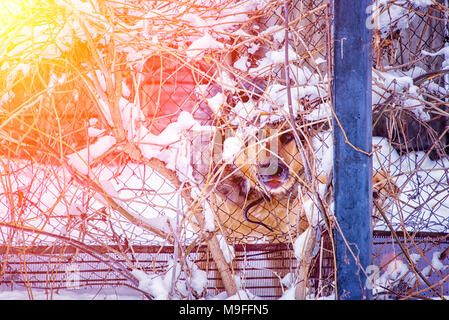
{"x": 353, "y": 140}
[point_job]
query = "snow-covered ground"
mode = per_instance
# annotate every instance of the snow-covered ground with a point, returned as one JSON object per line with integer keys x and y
{"x": 50, "y": 199}
{"x": 120, "y": 293}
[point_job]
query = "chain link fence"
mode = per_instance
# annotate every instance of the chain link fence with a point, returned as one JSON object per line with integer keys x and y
{"x": 180, "y": 150}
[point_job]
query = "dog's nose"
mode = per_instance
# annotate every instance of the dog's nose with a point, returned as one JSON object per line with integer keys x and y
{"x": 269, "y": 169}
{"x": 273, "y": 175}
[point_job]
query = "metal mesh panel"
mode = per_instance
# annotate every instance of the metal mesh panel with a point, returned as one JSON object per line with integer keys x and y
{"x": 260, "y": 268}
{"x": 56, "y": 268}
{"x": 64, "y": 204}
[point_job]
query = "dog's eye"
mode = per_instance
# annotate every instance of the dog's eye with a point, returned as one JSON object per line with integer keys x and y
{"x": 286, "y": 137}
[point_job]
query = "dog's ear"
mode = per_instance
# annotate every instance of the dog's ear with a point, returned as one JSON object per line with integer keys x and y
{"x": 234, "y": 188}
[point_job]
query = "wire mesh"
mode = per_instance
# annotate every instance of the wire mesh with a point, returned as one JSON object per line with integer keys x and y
{"x": 140, "y": 126}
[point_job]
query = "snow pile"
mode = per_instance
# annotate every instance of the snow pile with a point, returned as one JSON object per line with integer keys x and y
{"x": 116, "y": 293}
{"x": 289, "y": 282}
{"x": 199, "y": 46}
{"x": 227, "y": 250}
{"x": 436, "y": 265}
{"x": 243, "y": 295}
{"x": 300, "y": 243}
{"x": 170, "y": 285}
{"x": 257, "y": 62}
{"x": 170, "y": 146}
{"x": 394, "y": 271}
{"x": 443, "y": 52}
{"x": 206, "y": 34}
{"x": 45, "y": 185}
{"x": 231, "y": 146}
{"x": 393, "y": 13}
{"x": 272, "y": 58}
{"x": 423, "y": 203}
{"x": 402, "y": 84}
{"x": 81, "y": 159}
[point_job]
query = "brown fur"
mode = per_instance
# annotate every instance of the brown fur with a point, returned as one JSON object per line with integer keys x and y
{"x": 240, "y": 184}
{"x": 383, "y": 189}
{"x": 233, "y": 187}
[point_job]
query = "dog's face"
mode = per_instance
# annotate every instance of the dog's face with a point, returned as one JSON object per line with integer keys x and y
{"x": 271, "y": 160}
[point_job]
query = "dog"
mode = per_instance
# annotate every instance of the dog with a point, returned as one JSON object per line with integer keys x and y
{"x": 255, "y": 197}
{"x": 260, "y": 195}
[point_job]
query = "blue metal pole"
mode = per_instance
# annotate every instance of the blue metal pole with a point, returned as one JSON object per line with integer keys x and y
{"x": 352, "y": 167}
